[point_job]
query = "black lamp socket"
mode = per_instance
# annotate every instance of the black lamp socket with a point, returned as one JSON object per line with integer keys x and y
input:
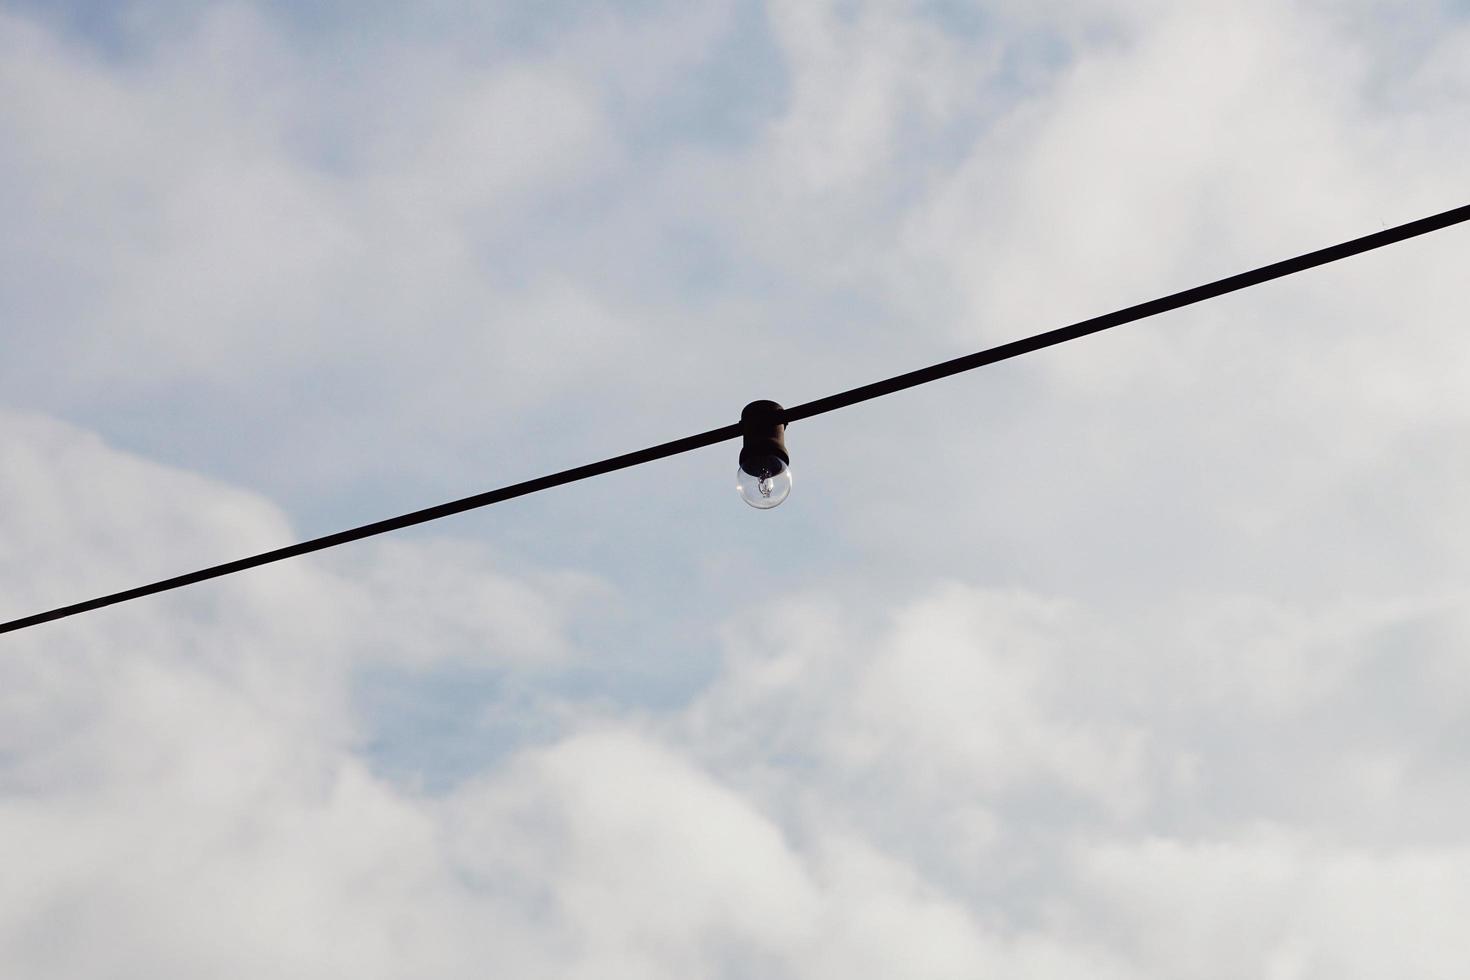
{"x": 765, "y": 439}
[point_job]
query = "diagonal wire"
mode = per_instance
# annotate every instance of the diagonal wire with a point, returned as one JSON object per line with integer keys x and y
{"x": 1187, "y": 297}
{"x": 434, "y": 513}
{"x": 830, "y": 403}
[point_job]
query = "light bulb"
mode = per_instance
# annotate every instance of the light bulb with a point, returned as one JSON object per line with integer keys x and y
{"x": 764, "y": 476}
{"x": 768, "y": 485}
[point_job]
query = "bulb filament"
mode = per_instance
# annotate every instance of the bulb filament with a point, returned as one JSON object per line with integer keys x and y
{"x": 766, "y": 486}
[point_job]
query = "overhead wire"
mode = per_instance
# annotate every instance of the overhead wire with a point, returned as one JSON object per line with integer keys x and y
{"x": 819, "y": 406}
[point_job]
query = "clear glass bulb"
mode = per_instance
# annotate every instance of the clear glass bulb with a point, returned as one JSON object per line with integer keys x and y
{"x": 768, "y": 486}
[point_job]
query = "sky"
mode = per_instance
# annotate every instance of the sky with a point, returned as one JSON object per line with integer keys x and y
{"x": 1147, "y": 656}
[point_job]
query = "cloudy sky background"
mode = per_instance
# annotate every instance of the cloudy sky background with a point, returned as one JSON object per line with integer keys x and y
{"x": 1141, "y": 657}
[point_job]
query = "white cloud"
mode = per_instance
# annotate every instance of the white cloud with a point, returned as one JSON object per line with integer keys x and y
{"x": 1148, "y": 661}
{"x": 973, "y": 781}
{"x": 177, "y": 225}
{"x": 1276, "y": 905}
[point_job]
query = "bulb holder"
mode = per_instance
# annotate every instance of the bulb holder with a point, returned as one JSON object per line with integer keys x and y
{"x": 765, "y": 438}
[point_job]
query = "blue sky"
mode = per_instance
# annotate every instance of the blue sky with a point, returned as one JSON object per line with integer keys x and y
{"x": 1140, "y": 657}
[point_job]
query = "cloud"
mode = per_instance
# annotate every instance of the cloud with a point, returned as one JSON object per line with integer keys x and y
{"x": 202, "y": 222}
{"x": 183, "y": 788}
{"x": 1144, "y": 658}
{"x": 180, "y": 778}
{"x": 1280, "y": 904}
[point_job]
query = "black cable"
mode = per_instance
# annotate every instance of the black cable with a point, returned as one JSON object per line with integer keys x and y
{"x": 969, "y": 362}
{"x": 390, "y": 524}
{"x": 1153, "y": 307}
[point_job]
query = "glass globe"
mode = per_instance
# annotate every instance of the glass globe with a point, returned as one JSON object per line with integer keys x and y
{"x": 768, "y": 486}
